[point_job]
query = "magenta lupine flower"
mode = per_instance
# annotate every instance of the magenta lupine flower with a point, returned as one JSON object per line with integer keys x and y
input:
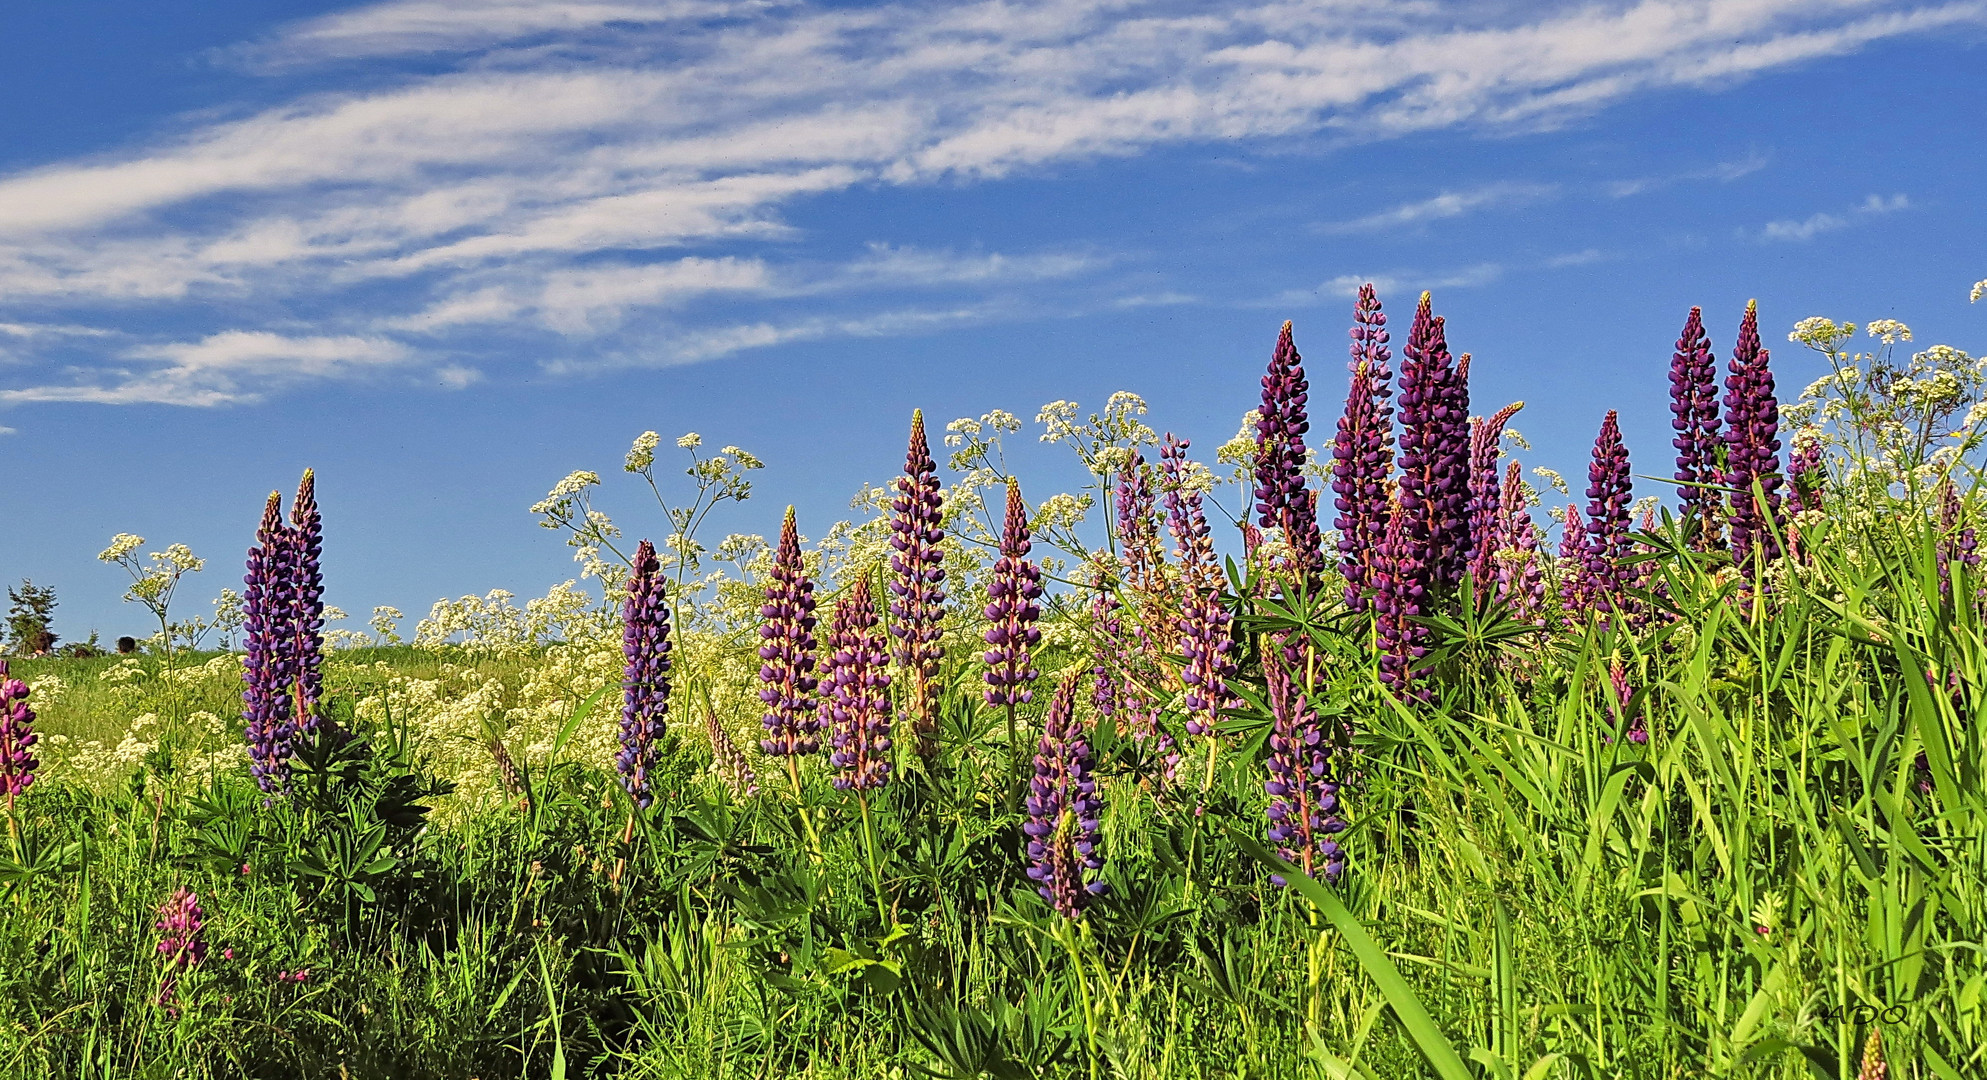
{"x": 1063, "y": 826}
{"x": 645, "y": 647}
{"x": 1303, "y": 809}
{"x": 1487, "y": 533}
{"x": 181, "y": 929}
{"x": 1206, "y": 639}
{"x": 306, "y": 538}
{"x": 917, "y": 581}
{"x": 1620, "y": 693}
{"x": 1694, "y": 418}
{"x": 1434, "y": 457}
{"x": 1282, "y": 500}
{"x": 1362, "y": 451}
{"x": 270, "y": 667}
{"x": 1012, "y": 591}
{"x": 1398, "y": 598}
{"x": 1520, "y": 575}
{"x": 1605, "y": 573}
{"x": 1957, "y": 542}
{"x": 859, "y": 705}
{"x": 17, "y": 738}
{"x": 733, "y": 769}
{"x": 1805, "y": 477}
{"x": 1752, "y": 445}
{"x": 787, "y": 653}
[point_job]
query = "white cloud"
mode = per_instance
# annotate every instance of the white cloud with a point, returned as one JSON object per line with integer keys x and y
{"x": 1724, "y": 171}
{"x": 224, "y": 368}
{"x": 1578, "y": 258}
{"x": 1810, "y": 227}
{"x": 1389, "y": 286}
{"x": 5, "y": 430}
{"x": 1448, "y": 204}
{"x": 552, "y": 158}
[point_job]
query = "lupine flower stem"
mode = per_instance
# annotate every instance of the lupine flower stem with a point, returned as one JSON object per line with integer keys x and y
{"x": 1605, "y": 574}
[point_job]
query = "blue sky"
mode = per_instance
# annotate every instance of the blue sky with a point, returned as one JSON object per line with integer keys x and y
{"x": 447, "y": 252}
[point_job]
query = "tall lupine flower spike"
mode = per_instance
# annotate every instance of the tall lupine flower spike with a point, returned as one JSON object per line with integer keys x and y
{"x": 1805, "y": 477}
{"x": 1620, "y": 693}
{"x": 1398, "y": 599}
{"x": 1957, "y": 542}
{"x": 1520, "y": 575}
{"x": 1362, "y": 451}
{"x": 1434, "y": 457}
{"x": 645, "y": 647}
{"x": 917, "y": 578}
{"x": 1206, "y": 640}
{"x": 306, "y": 537}
{"x": 858, "y": 678}
{"x": 1605, "y": 572}
{"x": 1063, "y": 806}
{"x": 786, "y": 653}
{"x": 1694, "y": 418}
{"x": 1873, "y": 1066}
{"x": 1282, "y": 500}
{"x": 1303, "y": 809}
{"x": 732, "y": 768}
{"x": 1752, "y": 445}
{"x": 181, "y": 928}
{"x": 17, "y": 738}
{"x": 1107, "y": 627}
{"x": 1138, "y": 528}
{"x": 1012, "y": 591}
{"x": 1487, "y": 532}
{"x": 270, "y": 667}
{"x": 1572, "y": 560}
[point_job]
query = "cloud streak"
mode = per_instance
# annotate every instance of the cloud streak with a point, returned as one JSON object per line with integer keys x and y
{"x": 614, "y": 167}
{"x": 1813, "y": 226}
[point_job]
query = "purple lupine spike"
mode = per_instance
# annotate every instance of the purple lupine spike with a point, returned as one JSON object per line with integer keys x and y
{"x": 787, "y": 654}
{"x": 1620, "y": 693}
{"x": 1107, "y": 626}
{"x": 1487, "y": 532}
{"x": 1012, "y": 591}
{"x": 1206, "y": 640}
{"x": 1694, "y": 418}
{"x": 1805, "y": 477}
{"x": 1138, "y": 527}
{"x": 917, "y": 582}
{"x": 1282, "y": 500}
{"x": 1605, "y": 572}
{"x": 1063, "y": 828}
{"x": 1303, "y": 809}
{"x": 269, "y": 669}
{"x": 1752, "y": 445}
{"x": 182, "y": 938}
{"x": 1572, "y": 561}
{"x": 1362, "y": 450}
{"x": 859, "y": 703}
{"x": 645, "y": 647}
{"x": 1434, "y": 457}
{"x": 306, "y": 539}
{"x": 17, "y": 738}
{"x": 1520, "y": 575}
{"x": 1957, "y": 542}
{"x": 1398, "y": 599}
{"x": 732, "y": 768}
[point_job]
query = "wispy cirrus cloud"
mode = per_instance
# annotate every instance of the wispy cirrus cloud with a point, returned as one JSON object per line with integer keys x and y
{"x": 617, "y": 168}
{"x": 1814, "y": 225}
{"x": 225, "y": 368}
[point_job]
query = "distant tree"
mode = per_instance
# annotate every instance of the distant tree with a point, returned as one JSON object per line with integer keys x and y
{"x": 30, "y": 619}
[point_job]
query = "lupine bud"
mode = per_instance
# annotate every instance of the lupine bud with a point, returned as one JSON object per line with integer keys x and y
{"x": 1206, "y": 641}
{"x": 306, "y": 538}
{"x": 1303, "y": 809}
{"x": 786, "y": 652}
{"x": 1605, "y": 573}
{"x": 1434, "y": 484}
{"x": 645, "y": 647}
{"x": 1957, "y": 542}
{"x": 1873, "y": 1066}
{"x": 270, "y": 667}
{"x": 1012, "y": 590}
{"x": 1398, "y": 598}
{"x": 1752, "y": 445}
{"x": 732, "y": 768}
{"x": 17, "y": 737}
{"x": 1063, "y": 827}
{"x": 859, "y": 707}
{"x": 1487, "y": 532}
{"x": 1805, "y": 477}
{"x": 1362, "y": 451}
{"x": 181, "y": 929}
{"x": 1694, "y": 418}
{"x": 917, "y": 578}
{"x": 1282, "y": 500}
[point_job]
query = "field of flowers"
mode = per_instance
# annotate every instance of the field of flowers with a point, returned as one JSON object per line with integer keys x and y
{"x": 1344, "y": 756}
